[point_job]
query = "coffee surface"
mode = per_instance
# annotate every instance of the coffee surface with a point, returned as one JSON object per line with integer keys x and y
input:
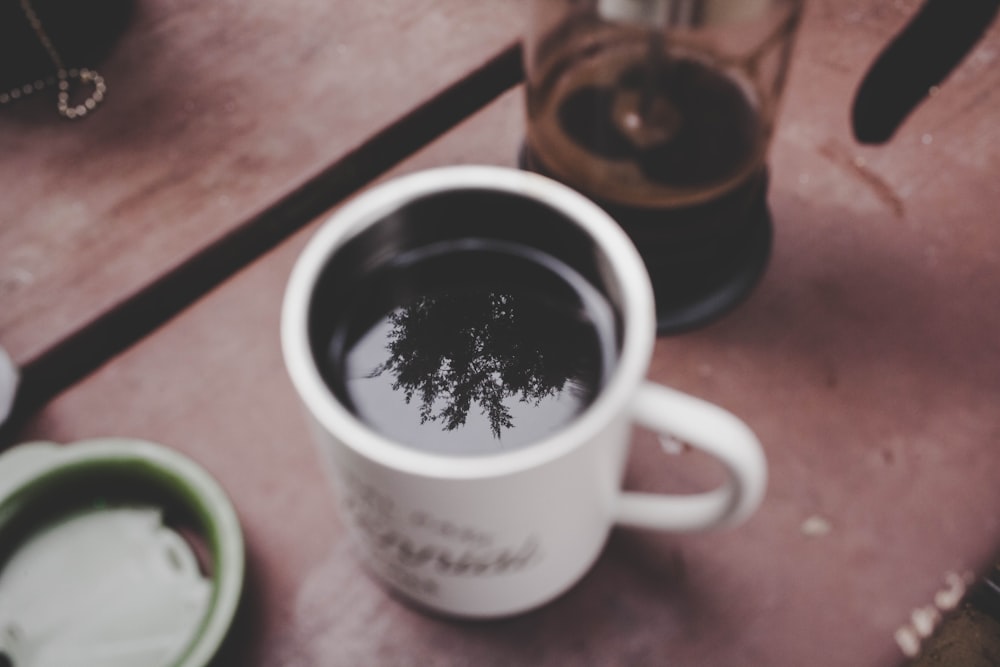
{"x": 470, "y": 347}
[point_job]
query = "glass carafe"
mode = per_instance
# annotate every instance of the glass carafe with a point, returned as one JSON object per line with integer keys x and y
{"x": 662, "y": 112}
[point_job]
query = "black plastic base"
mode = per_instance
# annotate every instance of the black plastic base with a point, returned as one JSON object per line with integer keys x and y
{"x": 692, "y": 297}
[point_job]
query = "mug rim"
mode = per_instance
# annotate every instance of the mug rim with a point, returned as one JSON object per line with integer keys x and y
{"x": 374, "y": 204}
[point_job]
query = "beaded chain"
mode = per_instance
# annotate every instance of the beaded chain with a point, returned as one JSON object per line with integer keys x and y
{"x": 62, "y": 77}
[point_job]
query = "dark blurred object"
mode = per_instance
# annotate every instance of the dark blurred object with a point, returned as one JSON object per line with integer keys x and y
{"x": 83, "y": 31}
{"x": 969, "y": 636}
{"x": 920, "y": 57}
{"x": 986, "y": 596}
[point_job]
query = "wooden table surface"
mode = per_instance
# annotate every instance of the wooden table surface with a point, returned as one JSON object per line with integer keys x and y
{"x": 151, "y": 244}
{"x": 226, "y": 127}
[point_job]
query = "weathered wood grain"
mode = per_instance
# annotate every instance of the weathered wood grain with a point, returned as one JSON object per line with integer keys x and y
{"x": 214, "y": 113}
{"x": 867, "y": 360}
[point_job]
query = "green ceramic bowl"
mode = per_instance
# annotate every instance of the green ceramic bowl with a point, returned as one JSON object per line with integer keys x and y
{"x": 52, "y": 492}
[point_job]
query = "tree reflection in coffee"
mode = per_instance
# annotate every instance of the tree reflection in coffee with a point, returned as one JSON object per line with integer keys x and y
{"x": 471, "y": 347}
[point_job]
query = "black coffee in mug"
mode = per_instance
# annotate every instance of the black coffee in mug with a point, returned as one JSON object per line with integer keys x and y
{"x": 464, "y": 344}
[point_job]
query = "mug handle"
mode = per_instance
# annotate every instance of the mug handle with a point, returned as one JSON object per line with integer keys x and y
{"x": 713, "y": 430}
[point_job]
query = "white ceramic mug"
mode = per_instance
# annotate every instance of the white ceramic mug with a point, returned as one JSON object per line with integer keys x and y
{"x": 501, "y": 533}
